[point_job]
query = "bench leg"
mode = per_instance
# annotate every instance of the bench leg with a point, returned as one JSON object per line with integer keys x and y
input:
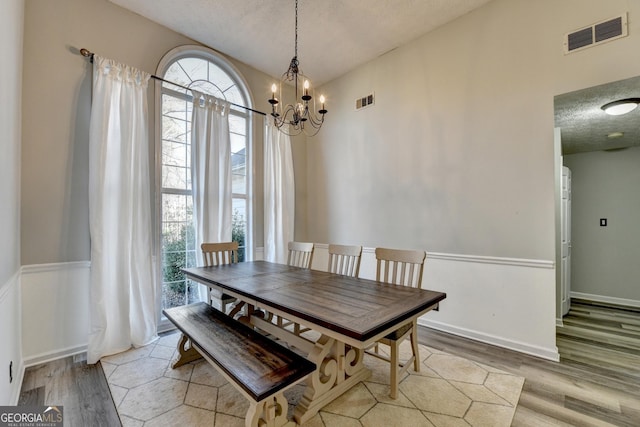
{"x": 271, "y": 412}
{"x": 186, "y": 353}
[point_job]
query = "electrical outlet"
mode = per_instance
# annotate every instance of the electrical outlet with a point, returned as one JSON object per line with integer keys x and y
{"x": 603, "y": 222}
{"x": 10, "y": 372}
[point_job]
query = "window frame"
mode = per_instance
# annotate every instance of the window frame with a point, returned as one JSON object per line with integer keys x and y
{"x": 232, "y": 72}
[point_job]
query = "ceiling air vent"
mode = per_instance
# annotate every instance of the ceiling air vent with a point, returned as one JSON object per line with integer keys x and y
{"x": 597, "y": 33}
{"x": 365, "y": 102}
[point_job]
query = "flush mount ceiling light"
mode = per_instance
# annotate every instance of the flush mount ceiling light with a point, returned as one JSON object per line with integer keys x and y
{"x": 299, "y": 115}
{"x": 614, "y": 135}
{"x": 622, "y": 106}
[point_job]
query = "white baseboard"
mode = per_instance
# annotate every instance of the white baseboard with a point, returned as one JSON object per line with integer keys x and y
{"x": 54, "y": 355}
{"x": 606, "y": 299}
{"x": 544, "y": 353}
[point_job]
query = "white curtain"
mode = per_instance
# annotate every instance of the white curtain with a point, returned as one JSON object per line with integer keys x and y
{"x": 123, "y": 291}
{"x": 279, "y": 194}
{"x": 211, "y": 170}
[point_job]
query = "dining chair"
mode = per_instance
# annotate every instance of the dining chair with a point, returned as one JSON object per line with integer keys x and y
{"x": 223, "y": 253}
{"x": 344, "y": 259}
{"x": 300, "y": 255}
{"x": 399, "y": 267}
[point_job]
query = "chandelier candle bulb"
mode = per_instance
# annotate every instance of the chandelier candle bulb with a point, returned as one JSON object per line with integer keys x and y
{"x": 273, "y": 101}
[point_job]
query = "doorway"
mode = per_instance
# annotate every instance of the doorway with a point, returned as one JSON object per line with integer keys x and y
{"x": 603, "y": 153}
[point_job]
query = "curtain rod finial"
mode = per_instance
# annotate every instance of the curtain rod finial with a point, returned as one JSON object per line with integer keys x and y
{"x": 84, "y": 52}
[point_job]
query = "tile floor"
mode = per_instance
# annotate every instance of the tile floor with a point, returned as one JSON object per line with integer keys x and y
{"x": 449, "y": 391}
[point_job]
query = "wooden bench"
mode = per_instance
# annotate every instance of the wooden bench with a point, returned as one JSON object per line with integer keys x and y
{"x": 257, "y": 366}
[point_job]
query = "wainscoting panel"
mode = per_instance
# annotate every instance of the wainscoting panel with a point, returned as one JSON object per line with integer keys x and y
{"x": 11, "y": 365}
{"x": 501, "y": 301}
{"x": 55, "y": 310}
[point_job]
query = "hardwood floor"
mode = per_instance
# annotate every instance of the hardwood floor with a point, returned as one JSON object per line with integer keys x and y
{"x": 81, "y": 389}
{"x": 604, "y": 336}
{"x": 596, "y": 382}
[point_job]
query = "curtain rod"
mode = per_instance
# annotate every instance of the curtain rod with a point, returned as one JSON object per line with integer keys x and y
{"x": 88, "y": 54}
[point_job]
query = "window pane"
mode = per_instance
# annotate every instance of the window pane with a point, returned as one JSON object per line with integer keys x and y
{"x": 176, "y": 74}
{"x": 238, "y": 184}
{"x": 174, "y": 154}
{"x": 238, "y": 143}
{"x": 193, "y": 292}
{"x": 174, "y": 129}
{"x": 237, "y": 124}
{"x": 173, "y": 294}
{"x": 175, "y": 107}
{"x": 239, "y": 226}
{"x": 207, "y": 87}
{"x": 195, "y": 68}
{"x": 234, "y": 95}
{"x": 219, "y": 77}
{"x": 174, "y": 208}
{"x": 238, "y": 174}
{"x": 176, "y": 177}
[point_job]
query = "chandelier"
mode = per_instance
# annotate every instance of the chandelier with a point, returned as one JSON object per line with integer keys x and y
{"x": 300, "y": 115}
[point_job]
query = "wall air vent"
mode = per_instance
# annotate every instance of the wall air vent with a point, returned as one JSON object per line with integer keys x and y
{"x": 597, "y": 33}
{"x": 365, "y": 101}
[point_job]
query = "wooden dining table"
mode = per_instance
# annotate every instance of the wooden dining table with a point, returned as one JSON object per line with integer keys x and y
{"x": 348, "y": 315}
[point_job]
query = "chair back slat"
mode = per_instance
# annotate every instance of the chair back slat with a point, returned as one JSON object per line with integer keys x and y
{"x": 219, "y": 253}
{"x": 300, "y": 254}
{"x": 400, "y": 267}
{"x": 344, "y": 259}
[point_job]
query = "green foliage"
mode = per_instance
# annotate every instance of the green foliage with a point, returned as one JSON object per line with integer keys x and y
{"x": 237, "y": 233}
{"x": 178, "y": 252}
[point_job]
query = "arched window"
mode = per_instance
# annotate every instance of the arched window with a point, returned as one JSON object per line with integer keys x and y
{"x": 201, "y": 69}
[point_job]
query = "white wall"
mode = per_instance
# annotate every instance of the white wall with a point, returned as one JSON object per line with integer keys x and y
{"x": 457, "y": 154}
{"x": 11, "y": 25}
{"x": 57, "y": 96}
{"x": 604, "y": 260}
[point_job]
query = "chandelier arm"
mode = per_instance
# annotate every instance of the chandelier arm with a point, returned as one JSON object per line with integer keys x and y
{"x": 289, "y": 111}
{"x": 315, "y": 121}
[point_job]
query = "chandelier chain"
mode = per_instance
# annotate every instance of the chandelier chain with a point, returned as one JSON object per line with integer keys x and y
{"x": 296, "y": 42}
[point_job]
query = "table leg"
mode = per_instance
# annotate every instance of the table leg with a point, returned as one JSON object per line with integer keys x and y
{"x": 339, "y": 367}
{"x": 271, "y": 412}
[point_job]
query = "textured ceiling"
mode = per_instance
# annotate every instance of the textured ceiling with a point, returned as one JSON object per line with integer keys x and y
{"x": 334, "y": 36}
{"x": 584, "y": 126}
